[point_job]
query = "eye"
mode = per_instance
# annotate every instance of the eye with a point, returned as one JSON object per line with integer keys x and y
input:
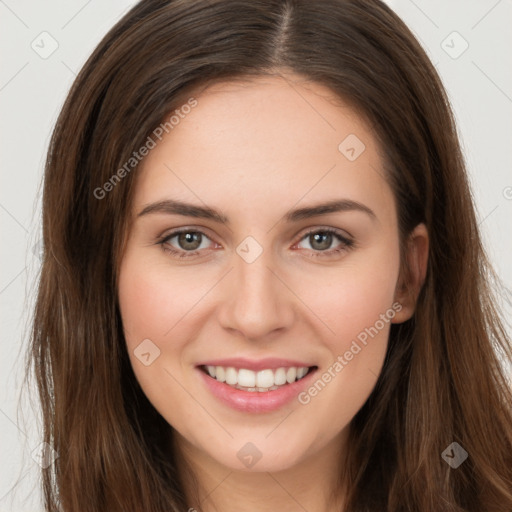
{"x": 189, "y": 242}
{"x": 321, "y": 240}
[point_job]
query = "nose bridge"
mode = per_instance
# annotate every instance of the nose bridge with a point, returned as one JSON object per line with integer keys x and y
{"x": 255, "y": 281}
{"x": 256, "y": 301}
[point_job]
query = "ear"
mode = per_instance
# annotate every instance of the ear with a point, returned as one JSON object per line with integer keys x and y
{"x": 412, "y": 273}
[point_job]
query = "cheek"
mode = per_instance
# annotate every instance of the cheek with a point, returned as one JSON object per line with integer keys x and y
{"x": 155, "y": 307}
{"x": 357, "y": 303}
{"x": 149, "y": 309}
{"x": 353, "y": 297}
{"x": 358, "y": 306}
{"x": 152, "y": 299}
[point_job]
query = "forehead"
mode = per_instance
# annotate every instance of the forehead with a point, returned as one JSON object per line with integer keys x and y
{"x": 265, "y": 140}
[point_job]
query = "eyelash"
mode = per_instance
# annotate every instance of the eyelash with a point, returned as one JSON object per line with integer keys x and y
{"x": 347, "y": 244}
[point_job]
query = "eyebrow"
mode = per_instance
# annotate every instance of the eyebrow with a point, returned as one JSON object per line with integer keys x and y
{"x": 174, "y": 207}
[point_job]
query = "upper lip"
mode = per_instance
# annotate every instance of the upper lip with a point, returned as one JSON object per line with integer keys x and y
{"x": 271, "y": 363}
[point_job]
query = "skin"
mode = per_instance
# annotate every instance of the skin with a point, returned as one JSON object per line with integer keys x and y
{"x": 254, "y": 150}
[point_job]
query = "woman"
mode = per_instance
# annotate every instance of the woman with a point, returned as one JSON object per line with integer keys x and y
{"x": 263, "y": 283}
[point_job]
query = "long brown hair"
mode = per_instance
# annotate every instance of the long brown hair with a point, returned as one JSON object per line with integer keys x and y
{"x": 442, "y": 380}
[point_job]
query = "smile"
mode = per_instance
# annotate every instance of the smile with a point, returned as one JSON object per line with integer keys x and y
{"x": 257, "y": 381}
{"x": 255, "y": 386}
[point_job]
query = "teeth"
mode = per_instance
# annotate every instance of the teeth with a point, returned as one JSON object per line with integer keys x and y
{"x": 231, "y": 376}
{"x": 219, "y": 373}
{"x": 280, "y": 377}
{"x": 301, "y": 372}
{"x": 291, "y": 374}
{"x": 264, "y": 380}
{"x": 246, "y": 378}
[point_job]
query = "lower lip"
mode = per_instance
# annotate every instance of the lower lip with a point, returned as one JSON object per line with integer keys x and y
{"x": 255, "y": 401}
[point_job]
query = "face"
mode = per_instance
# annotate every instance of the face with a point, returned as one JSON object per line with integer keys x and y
{"x": 258, "y": 284}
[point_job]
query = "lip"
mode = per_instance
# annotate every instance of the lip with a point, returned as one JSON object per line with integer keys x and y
{"x": 255, "y": 402}
{"x": 272, "y": 363}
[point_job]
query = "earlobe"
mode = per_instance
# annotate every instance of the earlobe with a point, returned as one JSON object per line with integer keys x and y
{"x": 413, "y": 273}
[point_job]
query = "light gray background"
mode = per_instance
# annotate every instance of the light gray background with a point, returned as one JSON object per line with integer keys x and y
{"x": 33, "y": 88}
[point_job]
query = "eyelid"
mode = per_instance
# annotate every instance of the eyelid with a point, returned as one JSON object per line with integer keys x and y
{"x": 344, "y": 235}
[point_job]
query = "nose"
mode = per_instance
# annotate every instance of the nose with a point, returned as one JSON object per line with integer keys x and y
{"x": 256, "y": 301}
